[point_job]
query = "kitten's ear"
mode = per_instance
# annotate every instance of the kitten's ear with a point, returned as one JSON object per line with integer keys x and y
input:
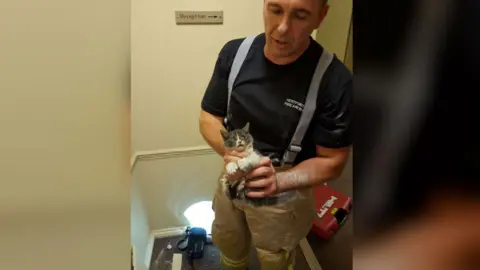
{"x": 246, "y": 128}
{"x": 224, "y": 134}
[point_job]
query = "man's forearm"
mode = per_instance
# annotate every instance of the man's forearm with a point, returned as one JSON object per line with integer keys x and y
{"x": 310, "y": 173}
{"x": 210, "y": 127}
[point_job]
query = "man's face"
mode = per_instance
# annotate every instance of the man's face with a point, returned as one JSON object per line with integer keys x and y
{"x": 289, "y": 24}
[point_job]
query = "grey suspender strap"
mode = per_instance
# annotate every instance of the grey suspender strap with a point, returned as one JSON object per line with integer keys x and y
{"x": 237, "y": 64}
{"x": 308, "y": 110}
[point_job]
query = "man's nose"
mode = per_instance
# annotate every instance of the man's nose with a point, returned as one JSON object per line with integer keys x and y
{"x": 284, "y": 26}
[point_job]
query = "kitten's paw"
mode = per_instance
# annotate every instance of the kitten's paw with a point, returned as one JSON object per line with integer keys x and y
{"x": 231, "y": 168}
{"x": 243, "y": 165}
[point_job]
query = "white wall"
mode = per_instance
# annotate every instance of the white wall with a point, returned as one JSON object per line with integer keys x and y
{"x": 140, "y": 230}
{"x": 169, "y": 186}
{"x": 64, "y": 140}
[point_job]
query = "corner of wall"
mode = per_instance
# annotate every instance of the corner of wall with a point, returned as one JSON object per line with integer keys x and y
{"x": 139, "y": 227}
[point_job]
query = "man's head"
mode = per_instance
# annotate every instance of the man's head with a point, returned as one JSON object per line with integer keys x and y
{"x": 289, "y": 24}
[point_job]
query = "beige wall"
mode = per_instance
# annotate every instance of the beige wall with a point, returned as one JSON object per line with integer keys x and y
{"x": 333, "y": 32}
{"x": 64, "y": 144}
{"x": 171, "y": 66}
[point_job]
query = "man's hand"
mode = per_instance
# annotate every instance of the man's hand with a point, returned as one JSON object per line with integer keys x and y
{"x": 233, "y": 156}
{"x": 263, "y": 178}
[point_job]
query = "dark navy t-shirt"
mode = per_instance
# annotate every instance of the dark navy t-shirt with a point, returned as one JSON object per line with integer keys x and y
{"x": 271, "y": 98}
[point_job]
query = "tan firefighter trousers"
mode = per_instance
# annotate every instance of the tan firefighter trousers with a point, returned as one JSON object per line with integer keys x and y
{"x": 274, "y": 230}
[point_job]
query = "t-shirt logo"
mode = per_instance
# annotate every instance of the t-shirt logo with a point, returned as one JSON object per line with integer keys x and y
{"x": 293, "y": 104}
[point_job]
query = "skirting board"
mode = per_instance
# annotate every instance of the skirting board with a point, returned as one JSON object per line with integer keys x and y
{"x": 168, "y": 232}
{"x": 134, "y": 258}
{"x": 309, "y": 255}
{"x": 178, "y": 231}
{"x": 177, "y": 261}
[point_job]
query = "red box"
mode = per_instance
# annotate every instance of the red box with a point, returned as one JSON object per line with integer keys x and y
{"x": 332, "y": 209}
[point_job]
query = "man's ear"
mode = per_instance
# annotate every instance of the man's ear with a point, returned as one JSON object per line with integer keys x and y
{"x": 323, "y": 14}
{"x": 224, "y": 134}
{"x": 246, "y": 128}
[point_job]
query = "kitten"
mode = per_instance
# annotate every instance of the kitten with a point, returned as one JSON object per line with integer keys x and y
{"x": 239, "y": 140}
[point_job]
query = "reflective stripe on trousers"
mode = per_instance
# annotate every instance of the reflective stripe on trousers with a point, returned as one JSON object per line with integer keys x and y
{"x": 234, "y": 265}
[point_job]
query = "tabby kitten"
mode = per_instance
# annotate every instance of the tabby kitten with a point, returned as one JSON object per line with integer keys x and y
{"x": 239, "y": 140}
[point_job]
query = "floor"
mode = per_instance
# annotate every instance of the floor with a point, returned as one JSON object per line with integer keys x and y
{"x": 162, "y": 257}
{"x": 336, "y": 254}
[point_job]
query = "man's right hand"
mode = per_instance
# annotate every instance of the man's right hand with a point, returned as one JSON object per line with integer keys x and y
{"x": 233, "y": 156}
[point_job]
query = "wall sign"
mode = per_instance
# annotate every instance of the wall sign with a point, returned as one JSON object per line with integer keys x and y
{"x": 199, "y": 17}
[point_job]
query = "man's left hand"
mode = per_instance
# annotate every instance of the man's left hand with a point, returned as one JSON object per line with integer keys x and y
{"x": 264, "y": 180}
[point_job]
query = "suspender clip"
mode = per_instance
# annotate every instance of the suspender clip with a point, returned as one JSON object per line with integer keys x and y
{"x": 295, "y": 148}
{"x": 290, "y": 154}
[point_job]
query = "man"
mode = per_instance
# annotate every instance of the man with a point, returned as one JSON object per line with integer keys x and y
{"x": 270, "y": 93}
